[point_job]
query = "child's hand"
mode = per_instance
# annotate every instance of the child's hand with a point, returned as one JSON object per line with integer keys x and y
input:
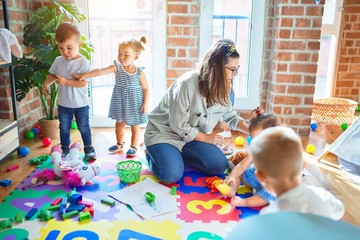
{"x": 79, "y": 77}
{"x": 45, "y": 91}
{"x": 60, "y": 80}
{"x": 238, "y": 202}
{"x": 144, "y": 109}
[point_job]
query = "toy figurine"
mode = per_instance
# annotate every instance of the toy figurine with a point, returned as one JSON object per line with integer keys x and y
{"x": 73, "y": 170}
{"x": 236, "y": 159}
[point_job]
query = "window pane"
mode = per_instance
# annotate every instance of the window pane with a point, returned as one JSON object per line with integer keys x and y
{"x": 111, "y": 21}
{"x": 232, "y": 20}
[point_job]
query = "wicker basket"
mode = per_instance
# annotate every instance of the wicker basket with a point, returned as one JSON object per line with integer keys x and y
{"x": 330, "y": 113}
{"x": 129, "y": 171}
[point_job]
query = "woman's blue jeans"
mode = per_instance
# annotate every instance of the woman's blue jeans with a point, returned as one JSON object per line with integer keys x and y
{"x": 66, "y": 116}
{"x": 167, "y": 161}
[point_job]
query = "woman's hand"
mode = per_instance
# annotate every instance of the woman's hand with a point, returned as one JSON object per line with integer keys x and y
{"x": 214, "y": 138}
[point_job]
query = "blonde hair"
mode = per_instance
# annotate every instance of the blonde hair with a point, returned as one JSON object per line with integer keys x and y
{"x": 66, "y": 31}
{"x": 277, "y": 152}
{"x": 138, "y": 46}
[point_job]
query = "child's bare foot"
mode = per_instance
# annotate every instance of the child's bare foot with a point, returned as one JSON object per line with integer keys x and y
{"x": 237, "y": 201}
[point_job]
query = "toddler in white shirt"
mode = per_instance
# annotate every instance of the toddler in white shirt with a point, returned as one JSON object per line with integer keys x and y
{"x": 277, "y": 155}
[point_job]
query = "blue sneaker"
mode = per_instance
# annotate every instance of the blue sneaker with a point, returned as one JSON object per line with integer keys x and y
{"x": 116, "y": 148}
{"x": 131, "y": 152}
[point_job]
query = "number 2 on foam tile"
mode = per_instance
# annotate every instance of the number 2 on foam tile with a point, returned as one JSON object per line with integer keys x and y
{"x": 193, "y": 206}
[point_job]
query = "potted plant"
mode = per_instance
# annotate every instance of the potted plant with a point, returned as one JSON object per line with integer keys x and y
{"x": 39, "y": 37}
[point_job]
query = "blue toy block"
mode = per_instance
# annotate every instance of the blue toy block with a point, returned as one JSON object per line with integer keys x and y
{"x": 75, "y": 198}
{"x": 31, "y": 213}
{"x": 76, "y": 207}
{"x": 64, "y": 201}
{"x": 5, "y": 183}
{"x": 62, "y": 209}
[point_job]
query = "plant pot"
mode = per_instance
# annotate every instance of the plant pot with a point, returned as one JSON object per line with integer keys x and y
{"x": 49, "y": 128}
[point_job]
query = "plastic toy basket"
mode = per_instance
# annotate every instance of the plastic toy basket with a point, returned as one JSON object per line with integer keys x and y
{"x": 129, "y": 171}
{"x": 330, "y": 113}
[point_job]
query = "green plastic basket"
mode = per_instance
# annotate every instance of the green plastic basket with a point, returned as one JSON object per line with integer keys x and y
{"x": 129, "y": 171}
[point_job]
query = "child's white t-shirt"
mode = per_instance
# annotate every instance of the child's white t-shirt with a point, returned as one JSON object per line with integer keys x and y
{"x": 71, "y": 97}
{"x": 307, "y": 199}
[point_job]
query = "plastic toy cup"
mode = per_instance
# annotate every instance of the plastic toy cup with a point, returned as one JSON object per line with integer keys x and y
{"x": 129, "y": 171}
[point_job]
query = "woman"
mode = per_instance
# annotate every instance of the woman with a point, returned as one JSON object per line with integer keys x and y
{"x": 180, "y": 128}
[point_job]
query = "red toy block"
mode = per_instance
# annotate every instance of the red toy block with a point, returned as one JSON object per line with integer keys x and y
{"x": 56, "y": 202}
{"x": 12, "y": 167}
{"x": 90, "y": 210}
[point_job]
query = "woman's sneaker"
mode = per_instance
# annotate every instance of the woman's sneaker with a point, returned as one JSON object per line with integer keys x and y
{"x": 89, "y": 153}
{"x": 116, "y": 148}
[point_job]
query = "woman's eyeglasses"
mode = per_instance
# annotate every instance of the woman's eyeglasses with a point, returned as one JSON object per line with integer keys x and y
{"x": 234, "y": 71}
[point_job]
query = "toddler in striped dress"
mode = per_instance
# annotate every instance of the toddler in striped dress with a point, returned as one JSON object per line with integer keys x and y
{"x": 130, "y": 97}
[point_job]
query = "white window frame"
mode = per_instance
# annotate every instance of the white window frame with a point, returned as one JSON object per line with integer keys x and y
{"x": 159, "y": 59}
{"x": 255, "y": 55}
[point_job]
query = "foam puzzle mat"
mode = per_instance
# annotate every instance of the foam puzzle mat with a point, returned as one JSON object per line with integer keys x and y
{"x": 202, "y": 214}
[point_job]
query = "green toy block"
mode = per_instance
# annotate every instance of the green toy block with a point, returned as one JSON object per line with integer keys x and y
{"x": 45, "y": 215}
{"x": 83, "y": 216}
{"x": 173, "y": 190}
{"x": 53, "y": 208}
{"x": 108, "y": 201}
{"x": 19, "y": 217}
{"x": 69, "y": 214}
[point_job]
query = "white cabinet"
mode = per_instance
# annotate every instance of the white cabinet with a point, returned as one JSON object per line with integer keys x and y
{"x": 9, "y": 132}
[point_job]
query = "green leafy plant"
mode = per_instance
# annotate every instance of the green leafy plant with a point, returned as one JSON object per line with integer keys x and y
{"x": 39, "y": 36}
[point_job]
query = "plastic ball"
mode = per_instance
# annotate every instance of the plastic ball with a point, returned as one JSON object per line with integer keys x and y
{"x": 239, "y": 141}
{"x": 46, "y": 141}
{"x": 310, "y": 148}
{"x": 24, "y": 151}
{"x": 344, "y": 126}
{"x": 249, "y": 139}
{"x": 74, "y": 125}
{"x": 35, "y": 131}
{"x": 29, "y": 135}
{"x": 38, "y": 128}
{"x": 313, "y": 126}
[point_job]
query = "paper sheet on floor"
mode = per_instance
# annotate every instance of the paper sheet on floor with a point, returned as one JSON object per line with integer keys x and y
{"x": 134, "y": 196}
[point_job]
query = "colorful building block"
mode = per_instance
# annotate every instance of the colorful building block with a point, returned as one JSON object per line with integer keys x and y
{"x": 75, "y": 207}
{"x": 83, "y": 216}
{"x": 69, "y": 214}
{"x": 45, "y": 215}
{"x": 173, "y": 190}
{"x": 31, "y": 213}
{"x": 7, "y": 223}
{"x": 75, "y": 198}
{"x": 108, "y": 201}
{"x": 53, "y": 208}
{"x": 87, "y": 204}
{"x": 19, "y": 217}
{"x": 56, "y": 202}
{"x": 5, "y": 183}
{"x": 12, "y": 167}
{"x": 90, "y": 210}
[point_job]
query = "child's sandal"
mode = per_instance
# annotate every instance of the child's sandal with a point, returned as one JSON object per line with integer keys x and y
{"x": 131, "y": 152}
{"x": 116, "y": 148}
